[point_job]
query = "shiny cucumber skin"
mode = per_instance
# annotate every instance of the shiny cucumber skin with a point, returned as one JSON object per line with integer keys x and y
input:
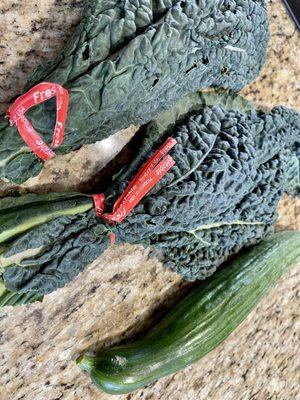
{"x": 199, "y": 323}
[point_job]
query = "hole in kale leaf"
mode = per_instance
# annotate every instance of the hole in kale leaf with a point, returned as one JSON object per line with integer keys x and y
{"x": 190, "y": 69}
{"x": 86, "y": 53}
{"x": 155, "y": 82}
{"x": 205, "y": 60}
{"x": 122, "y": 13}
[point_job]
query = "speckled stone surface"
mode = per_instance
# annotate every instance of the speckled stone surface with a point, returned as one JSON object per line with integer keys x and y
{"x": 118, "y": 297}
{"x": 279, "y": 81}
{"x": 125, "y": 291}
{"x": 31, "y": 32}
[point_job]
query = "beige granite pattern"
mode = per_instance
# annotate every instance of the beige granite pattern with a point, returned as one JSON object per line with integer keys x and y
{"x": 31, "y": 32}
{"x": 125, "y": 291}
{"x": 279, "y": 81}
{"x": 121, "y": 295}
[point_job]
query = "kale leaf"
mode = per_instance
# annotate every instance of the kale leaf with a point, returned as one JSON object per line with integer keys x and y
{"x": 8, "y": 298}
{"x": 129, "y": 60}
{"x": 232, "y": 165}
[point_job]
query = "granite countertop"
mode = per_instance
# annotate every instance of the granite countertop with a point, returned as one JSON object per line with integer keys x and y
{"x": 126, "y": 291}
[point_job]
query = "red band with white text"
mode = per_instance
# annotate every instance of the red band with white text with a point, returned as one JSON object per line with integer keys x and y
{"x": 149, "y": 175}
{"x": 37, "y": 95}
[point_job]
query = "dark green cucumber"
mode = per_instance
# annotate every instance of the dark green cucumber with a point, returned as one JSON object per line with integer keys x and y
{"x": 199, "y": 323}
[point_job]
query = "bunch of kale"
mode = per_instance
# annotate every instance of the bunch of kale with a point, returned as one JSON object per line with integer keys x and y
{"x": 129, "y": 60}
{"x": 232, "y": 165}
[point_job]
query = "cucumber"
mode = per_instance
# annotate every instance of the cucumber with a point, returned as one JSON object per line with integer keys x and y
{"x": 199, "y": 323}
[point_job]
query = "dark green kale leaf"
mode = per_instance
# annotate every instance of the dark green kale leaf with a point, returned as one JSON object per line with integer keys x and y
{"x": 8, "y": 298}
{"x": 232, "y": 166}
{"x": 58, "y": 251}
{"x": 21, "y": 213}
{"x": 129, "y": 60}
{"x": 47, "y": 232}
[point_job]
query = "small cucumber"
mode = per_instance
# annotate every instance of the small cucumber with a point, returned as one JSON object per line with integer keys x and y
{"x": 199, "y": 323}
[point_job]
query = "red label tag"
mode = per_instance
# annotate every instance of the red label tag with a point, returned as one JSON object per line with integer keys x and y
{"x": 147, "y": 169}
{"x": 112, "y": 238}
{"x": 99, "y": 201}
{"x": 149, "y": 175}
{"x": 135, "y": 192}
{"x": 37, "y": 95}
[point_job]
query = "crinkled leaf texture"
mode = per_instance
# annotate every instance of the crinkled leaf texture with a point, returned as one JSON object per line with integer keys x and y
{"x": 129, "y": 60}
{"x": 232, "y": 165}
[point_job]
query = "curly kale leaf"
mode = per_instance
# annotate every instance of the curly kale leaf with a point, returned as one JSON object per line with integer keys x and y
{"x": 269, "y": 131}
{"x": 52, "y": 254}
{"x": 20, "y": 214}
{"x": 222, "y": 195}
{"x": 197, "y": 253}
{"x": 231, "y": 169}
{"x": 129, "y": 60}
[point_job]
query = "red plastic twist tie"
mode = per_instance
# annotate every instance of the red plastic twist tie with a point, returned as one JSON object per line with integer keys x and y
{"x": 148, "y": 176}
{"x": 37, "y": 95}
